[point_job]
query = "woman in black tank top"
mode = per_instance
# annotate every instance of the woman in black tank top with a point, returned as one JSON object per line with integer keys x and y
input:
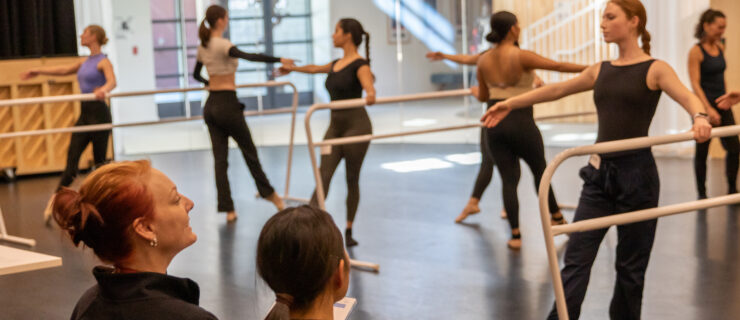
{"x": 626, "y": 93}
{"x": 346, "y": 79}
{"x": 707, "y": 71}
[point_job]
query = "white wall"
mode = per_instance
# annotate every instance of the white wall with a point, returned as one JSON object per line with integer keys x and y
{"x": 672, "y": 29}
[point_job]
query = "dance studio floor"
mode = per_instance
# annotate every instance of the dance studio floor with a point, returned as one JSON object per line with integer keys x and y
{"x": 431, "y": 268}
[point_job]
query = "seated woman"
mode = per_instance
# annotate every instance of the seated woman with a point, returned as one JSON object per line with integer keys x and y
{"x": 133, "y": 218}
{"x": 301, "y": 257}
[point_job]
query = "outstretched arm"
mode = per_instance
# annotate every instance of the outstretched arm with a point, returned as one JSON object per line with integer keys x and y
{"x": 666, "y": 79}
{"x": 468, "y": 59}
{"x": 234, "y": 52}
{"x": 51, "y": 71}
{"x": 531, "y": 60}
{"x": 310, "y": 68}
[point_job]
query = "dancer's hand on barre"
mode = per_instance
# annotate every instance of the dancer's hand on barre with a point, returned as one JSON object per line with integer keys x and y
{"x": 702, "y": 129}
{"x": 714, "y": 118}
{"x": 495, "y": 114}
{"x": 370, "y": 98}
{"x": 728, "y": 100}
{"x": 475, "y": 91}
{"x": 435, "y": 56}
{"x": 100, "y": 93}
{"x": 29, "y": 74}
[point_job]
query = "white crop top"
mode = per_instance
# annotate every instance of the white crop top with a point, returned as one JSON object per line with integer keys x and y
{"x": 216, "y": 57}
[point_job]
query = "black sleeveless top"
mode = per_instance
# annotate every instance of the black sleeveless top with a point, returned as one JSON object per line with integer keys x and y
{"x": 713, "y": 74}
{"x": 625, "y": 105}
{"x": 344, "y": 84}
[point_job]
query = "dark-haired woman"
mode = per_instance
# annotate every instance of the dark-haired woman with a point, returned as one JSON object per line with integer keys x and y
{"x": 94, "y": 75}
{"x": 626, "y": 94}
{"x": 707, "y": 71}
{"x": 306, "y": 285}
{"x": 134, "y": 219}
{"x": 504, "y": 72}
{"x": 347, "y": 78}
{"x": 223, "y": 112}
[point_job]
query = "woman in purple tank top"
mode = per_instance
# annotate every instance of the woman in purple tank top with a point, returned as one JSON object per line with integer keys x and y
{"x": 626, "y": 93}
{"x": 94, "y": 75}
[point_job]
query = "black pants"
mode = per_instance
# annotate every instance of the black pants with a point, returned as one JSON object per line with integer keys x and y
{"x": 517, "y": 136}
{"x": 731, "y": 145}
{"x": 622, "y": 184}
{"x": 224, "y": 117}
{"x": 91, "y": 112}
{"x": 485, "y": 172}
{"x": 346, "y": 123}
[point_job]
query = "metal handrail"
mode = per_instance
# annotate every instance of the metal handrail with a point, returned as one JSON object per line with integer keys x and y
{"x": 98, "y": 127}
{"x": 618, "y": 219}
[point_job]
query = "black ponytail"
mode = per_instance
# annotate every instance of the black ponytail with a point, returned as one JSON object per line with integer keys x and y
{"x": 354, "y": 27}
{"x": 501, "y": 24}
{"x": 367, "y": 47}
{"x": 213, "y": 13}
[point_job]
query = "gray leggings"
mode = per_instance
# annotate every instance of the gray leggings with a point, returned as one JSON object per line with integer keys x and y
{"x": 346, "y": 123}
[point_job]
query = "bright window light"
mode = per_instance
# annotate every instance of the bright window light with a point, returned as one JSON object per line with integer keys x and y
{"x": 419, "y": 122}
{"x": 417, "y": 165}
{"x": 563, "y": 137}
{"x": 465, "y": 158}
{"x": 544, "y": 127}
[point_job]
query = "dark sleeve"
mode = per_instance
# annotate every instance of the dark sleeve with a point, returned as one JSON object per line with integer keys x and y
{"x": 234, "y": 52}
{"x": 196, "y": 73}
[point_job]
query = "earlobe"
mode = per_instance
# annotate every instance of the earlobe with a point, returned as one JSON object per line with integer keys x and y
{"x": 144, "y": 229}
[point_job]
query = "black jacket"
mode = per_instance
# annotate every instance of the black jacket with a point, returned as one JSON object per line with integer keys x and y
{"x": 142, "y": 296}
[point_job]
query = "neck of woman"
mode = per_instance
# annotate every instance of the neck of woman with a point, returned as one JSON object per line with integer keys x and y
{"x": 321, "y": 309}
{"x": 630, "y": 51}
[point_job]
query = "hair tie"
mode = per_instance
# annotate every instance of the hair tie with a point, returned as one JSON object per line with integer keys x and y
{"x": 284, "y": 298}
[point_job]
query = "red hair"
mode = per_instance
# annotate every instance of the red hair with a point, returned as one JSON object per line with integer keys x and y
{"x": 101, "y": 214}
{"x": 634, "y": 8}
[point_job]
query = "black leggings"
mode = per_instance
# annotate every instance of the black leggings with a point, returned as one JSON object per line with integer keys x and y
{"x": 224, "y": 117}
{"x": 91, "y": 112}
{"x": 731, "y": 145}
{"x": 485, "y": 172}
{"x": 517, "y": 136}
{"x": 346, "y": 123}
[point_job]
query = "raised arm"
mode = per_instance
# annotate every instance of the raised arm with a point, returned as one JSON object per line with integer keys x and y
{"x": 106, "y": 67}
{"x": 197, "y": 75}
{"x": 468, "y": 59}
{"x": 309, "y": 68}
{"x": 663, "y": 76}
{"x": 234, "y": 52}
{"x": 365, "y": 75}
{"x": 728, "y": 100}
{"x": 51, "y": 71}
{"x": 695, "y": 59}
{"x": 531, "y": 60}
{"x": 583, "y": 82}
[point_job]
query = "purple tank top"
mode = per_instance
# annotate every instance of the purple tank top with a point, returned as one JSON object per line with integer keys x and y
{"x": 88, "y": 76}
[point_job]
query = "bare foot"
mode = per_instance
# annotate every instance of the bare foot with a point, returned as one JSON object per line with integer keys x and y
{"x": 48, "y": 209}
{"x": 515, "y": 243}
{"x": 276, "y": 200}
{"x": 470, "y": 209}
{"x": 231, "y": 216}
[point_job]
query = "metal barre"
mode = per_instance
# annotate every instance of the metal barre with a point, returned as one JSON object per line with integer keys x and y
{"x": 619, "y": 219}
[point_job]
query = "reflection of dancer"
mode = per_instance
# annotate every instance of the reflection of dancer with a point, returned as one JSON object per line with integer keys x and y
{"x": 485, "y": 172}
{"x": 504, "y": 72}
{"x": 306, "y": 285}
{"x": 347, "y": 78}
{"x": 707, "y": 70}
{"x": 94, "y": 75}
{"x": 223, "y": 112}
{"x": 626, "y": 94}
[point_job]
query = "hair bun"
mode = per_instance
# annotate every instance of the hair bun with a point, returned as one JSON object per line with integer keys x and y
{"x": 493, "y": 37}
{"x": 73, "y": 215}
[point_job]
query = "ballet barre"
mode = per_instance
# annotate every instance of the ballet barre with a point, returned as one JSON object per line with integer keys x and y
{"x": 617, "y": 219}
{"x": 99, "y": 127}
{"x": 358, "y": 103}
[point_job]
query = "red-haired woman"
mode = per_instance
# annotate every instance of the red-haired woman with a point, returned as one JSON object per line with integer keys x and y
{"x": 133, "y": 218}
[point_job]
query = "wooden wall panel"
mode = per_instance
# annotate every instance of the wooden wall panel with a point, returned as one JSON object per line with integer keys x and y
{"x": 7, "y": 146}
{"x": 731, "y": 9}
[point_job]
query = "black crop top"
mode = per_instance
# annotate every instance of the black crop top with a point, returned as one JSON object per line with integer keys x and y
{"x": 624, "y": 103}
{"x": 344, "y": 84}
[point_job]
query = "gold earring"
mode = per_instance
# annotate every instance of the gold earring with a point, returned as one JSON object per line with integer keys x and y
{"x": 153, "y": 242}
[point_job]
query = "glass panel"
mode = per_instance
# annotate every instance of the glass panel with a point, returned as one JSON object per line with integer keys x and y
{"x": 291, "y": 7}
{"x": 251, "y": 77}
{"x": 245, "y": 8}
{"x": 163, "y": 9}
{"x": 191, "y": 34}
{"x": 164, "y": 34}
{"x": 247, "y": 31}
{"x": 166, "y": 62}
{"x": 189, "y": 8}
{"x": 292, "y": 29}
{"x": 168, "y": 83}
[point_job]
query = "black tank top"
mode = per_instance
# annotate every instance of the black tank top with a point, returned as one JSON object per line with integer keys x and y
{"x": 344, "y": 84}
{"x": 713, "y": 74}
{"x": 625, "y": 105}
